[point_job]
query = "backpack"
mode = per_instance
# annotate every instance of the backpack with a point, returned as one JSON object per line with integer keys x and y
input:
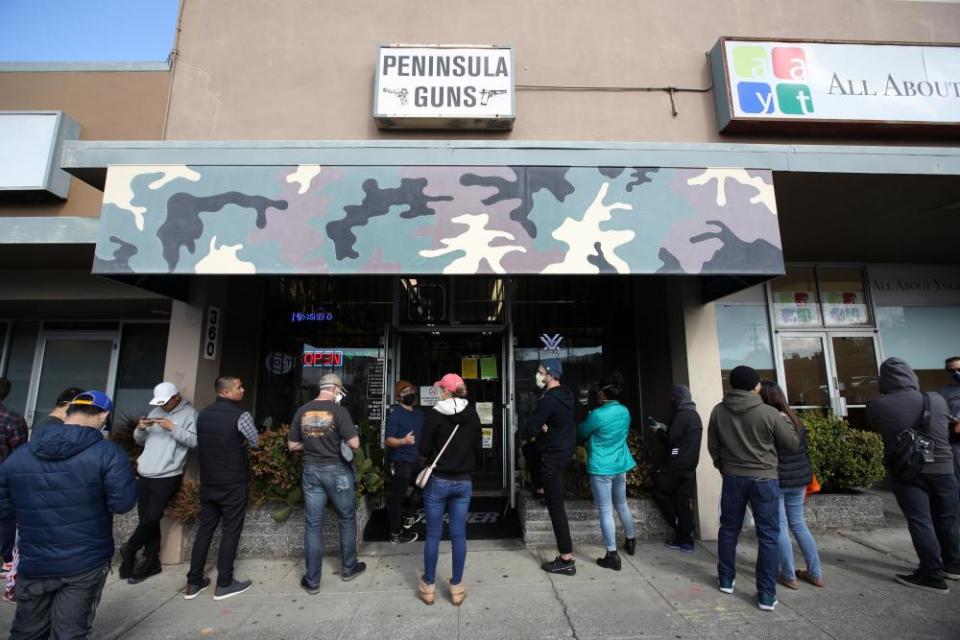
{"x": 912, "y": 449}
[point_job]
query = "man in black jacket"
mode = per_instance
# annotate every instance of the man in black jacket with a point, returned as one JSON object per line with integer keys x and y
{"x": 676, "y": 478}
{"x": 556, "y": 440}
{"x": 224, "y": 431}
{"x": 929, "y": 503}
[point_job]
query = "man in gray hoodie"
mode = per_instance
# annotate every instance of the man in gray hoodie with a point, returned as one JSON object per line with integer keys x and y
{"x": 929, "y": 503}
{"x": 743, "y": 438}
{"x": 166, "y": 435}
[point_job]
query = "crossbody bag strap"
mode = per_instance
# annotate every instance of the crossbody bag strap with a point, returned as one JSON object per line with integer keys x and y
{"x": 925, "y": 417}
{"x": 437, "y": 459}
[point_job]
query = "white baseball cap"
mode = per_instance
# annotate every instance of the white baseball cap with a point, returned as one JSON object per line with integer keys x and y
{"x": 163, "y": 392}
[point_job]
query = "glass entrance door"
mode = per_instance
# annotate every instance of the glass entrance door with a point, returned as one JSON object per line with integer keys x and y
{"x": 830, "y": 370}
{"x": 425, "y": 356}
{"x": 70, "y": 359}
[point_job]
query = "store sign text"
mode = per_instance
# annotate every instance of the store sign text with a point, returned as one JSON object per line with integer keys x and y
{"x": 323, "y": 358}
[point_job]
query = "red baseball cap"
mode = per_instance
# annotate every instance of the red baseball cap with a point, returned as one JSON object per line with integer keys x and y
{"x": 451, "y": 382}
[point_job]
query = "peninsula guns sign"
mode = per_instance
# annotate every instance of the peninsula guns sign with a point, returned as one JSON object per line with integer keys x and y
{"x": 822, "y": 86}
{"x": 444, "y": 87}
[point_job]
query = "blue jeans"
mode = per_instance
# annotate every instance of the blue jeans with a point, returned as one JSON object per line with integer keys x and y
{"x": 791, "y": 520}
{"x": 452, "y": 496}
{"x": 334, "y": 482}
{"x": 763, "y": 495}
{"x": 610, "y": 492}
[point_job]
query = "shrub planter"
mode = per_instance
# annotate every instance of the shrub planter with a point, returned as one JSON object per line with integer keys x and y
{"x": 585, "y": 523}
{"x": 850, "y": 510}
{"x": 262, "y": 537}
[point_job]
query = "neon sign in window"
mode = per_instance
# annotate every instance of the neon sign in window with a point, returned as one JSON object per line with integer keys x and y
{"x": 323, "y": 358}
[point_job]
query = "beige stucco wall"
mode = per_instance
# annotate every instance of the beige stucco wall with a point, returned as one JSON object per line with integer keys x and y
{"x": 303, "y": 69}
{"x": 117, "y": 105}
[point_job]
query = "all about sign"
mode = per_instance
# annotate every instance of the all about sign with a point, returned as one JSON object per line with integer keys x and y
{"x": 824, "y": 86}
{"x": 444, "y": 87}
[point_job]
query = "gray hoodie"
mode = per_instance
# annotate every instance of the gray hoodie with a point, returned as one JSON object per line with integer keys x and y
{"x": 899, "y": 407}
{"x": 744, "y": 436}
{"x": 165, "y": 452}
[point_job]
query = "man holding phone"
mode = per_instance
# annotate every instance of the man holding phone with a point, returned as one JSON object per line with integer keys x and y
{"x": 951, "y": 393}
{"x": 166, "y": 434}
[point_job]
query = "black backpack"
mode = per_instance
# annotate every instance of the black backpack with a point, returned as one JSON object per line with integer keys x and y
{"x": 912, "y": 449}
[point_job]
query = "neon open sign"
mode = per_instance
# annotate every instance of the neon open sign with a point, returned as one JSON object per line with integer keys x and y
{"x": 323, "y": 358}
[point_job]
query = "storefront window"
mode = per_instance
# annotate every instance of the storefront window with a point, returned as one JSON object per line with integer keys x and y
{"x": 844, "y": 301}
{"x": 23, "y": 348}
{"x": 924, "y": 337}
{"x": 143, "y": 351}
{"x": 795, "y": 301}
{"x": 743, "y": 332}
{"x": 458, "y": 300}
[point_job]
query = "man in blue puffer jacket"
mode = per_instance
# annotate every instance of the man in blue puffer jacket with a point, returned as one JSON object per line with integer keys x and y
{"x": 64, "y": 488}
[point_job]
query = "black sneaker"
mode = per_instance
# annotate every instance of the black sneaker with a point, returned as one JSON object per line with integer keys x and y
{"x": 610, "y": 561}
{"x": 923, "y": 582}
{"x": 127, "y": 559}
{"x": 403, "y": 537}
{"x": 306, "y": 586}
{"x": 409, "y": 521}
{"x": 630, "y": 545}
{"x": 358, "y": 568}
{"x": 951, "y": 572}
{"x": 235, "y": 588}
{"x": 149, "y": 567}
{"x": 193, "y": 590}
{"x": 561, "y": 566}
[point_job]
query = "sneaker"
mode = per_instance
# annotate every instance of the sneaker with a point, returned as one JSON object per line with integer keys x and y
{"x": 358, "y": 568}
{"x": 610, "y": 561}
{"x": 561, "y": 566}
{"x": 409, "y": 521}
{"x": 685, "y": 547}
{"x": 726, "y": 587}
{"x": 951, "y": 572}
{"x": 767, "y": 601}
{"x": 127, "y": 559}
{"x": 789, "y": 584}
{"x": 235, "y": 588}
{"x": 630, "y": 545}
{"x": 193, "y": 590}
{"x": 149, "y": 567}
{"x": 306, "y": 586}
{"x": 10, "y": 596}
{"x": 403, "y": 537}
{"x": 922, "y": 582}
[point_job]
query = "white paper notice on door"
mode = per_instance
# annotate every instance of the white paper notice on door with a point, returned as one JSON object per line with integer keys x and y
{"x": 485, "y": 411}
{"x": 429, "y": 396}
{"x": 487, "y": 437}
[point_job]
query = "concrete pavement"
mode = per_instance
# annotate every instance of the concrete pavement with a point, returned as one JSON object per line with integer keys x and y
{"x": 659, "y": 594}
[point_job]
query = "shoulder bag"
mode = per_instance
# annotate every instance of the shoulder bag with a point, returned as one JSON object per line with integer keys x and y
{"x": 424, "y": 476}
{"x": 912, "y": 450}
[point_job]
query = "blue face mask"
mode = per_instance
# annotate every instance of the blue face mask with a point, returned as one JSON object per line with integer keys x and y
{"x": 955, "y": 374}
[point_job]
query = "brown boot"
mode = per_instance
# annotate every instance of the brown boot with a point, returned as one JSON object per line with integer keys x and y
{"x": 426, "y": 592}
{"x": 816, "y": 581}
{"x": 789, "y": 584}
{"x": 457, "y": 593}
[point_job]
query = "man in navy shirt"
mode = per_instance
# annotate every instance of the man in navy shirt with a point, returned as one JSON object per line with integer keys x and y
{"x": 402, "y": 435}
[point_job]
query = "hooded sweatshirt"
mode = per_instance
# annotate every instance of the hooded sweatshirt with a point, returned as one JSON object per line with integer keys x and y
{"x": 744, "y": 436}
{"x": 555, "y": 410}
{"x": 460, "y": 458}
{"x": 684, "y": 436}
{"x": 900, "y": 407}
{"x": 63, "y": 488}
{"x": 165, "y": 452}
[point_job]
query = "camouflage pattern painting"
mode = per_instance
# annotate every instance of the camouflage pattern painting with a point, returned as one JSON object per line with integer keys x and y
{"x": 313, "y": 219}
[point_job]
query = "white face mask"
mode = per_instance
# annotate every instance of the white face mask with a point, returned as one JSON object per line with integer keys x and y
{"x": 338, "y": 398}
{"x": 541, "y": 380}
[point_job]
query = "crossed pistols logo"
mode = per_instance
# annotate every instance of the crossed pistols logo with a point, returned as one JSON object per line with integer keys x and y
{"x": 551, "y": 343}
{"x": 403, "y": 95}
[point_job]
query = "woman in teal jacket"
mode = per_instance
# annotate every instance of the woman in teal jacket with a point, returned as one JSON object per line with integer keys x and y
{"x": 605, "y": 432}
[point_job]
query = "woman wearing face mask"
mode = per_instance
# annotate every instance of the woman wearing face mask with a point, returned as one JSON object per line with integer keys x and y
{"x": 795, "y": 474}
{"x": 453, "y": 422}
{"x": 605, "y": 431}
{"x": 402, "y": 435}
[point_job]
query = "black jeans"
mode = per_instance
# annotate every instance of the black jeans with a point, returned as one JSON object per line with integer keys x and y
{"x": 404, "y": 473}
{"x": 153, "y": 496}
{"x": 931, "y": 505}
{"x": 227, "y": 502}
{"x": 532, "y": 456}
{"x": 552, "y": 469}
{"x": 58, "y": 608}
{"x": 673, "y": 493}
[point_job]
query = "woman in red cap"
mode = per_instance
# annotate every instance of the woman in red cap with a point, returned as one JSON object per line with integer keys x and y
{"x": 451, "y": 439}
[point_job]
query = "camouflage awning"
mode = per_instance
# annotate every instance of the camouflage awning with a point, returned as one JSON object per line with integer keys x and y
{"x": 320, "y": 219}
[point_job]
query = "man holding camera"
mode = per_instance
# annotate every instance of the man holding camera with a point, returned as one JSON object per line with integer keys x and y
{"x": 166, "y": 434}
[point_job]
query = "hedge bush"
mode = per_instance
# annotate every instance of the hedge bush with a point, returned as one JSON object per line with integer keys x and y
{"x": 842, "y": 457}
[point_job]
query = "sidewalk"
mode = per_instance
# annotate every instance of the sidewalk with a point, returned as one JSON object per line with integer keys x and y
{"x": 659, "y": 594}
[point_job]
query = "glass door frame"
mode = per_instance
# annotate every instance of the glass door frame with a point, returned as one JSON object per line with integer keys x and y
{"x": 837, "y": 402}
{"x": 44, "y": 336}
{"x": 394, "y": 339}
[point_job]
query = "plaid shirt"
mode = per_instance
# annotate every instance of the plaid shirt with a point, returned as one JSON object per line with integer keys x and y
{"x": 13, "y": 432}
{"x": 249, "y": 429}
